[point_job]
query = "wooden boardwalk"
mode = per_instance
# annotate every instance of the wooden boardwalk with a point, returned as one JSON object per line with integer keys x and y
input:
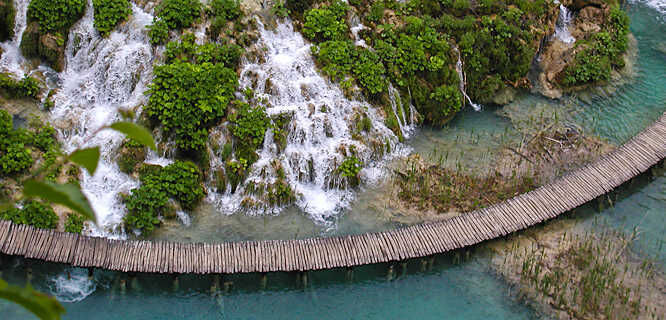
{"x": 576, "y": 188}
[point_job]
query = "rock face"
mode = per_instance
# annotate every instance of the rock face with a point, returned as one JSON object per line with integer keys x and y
{"x": 7, "y": 14}
{"x": 557, "y": 55}
{"x": 48, "y": 47}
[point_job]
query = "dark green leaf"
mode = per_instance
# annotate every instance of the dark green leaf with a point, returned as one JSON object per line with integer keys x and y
{"x": 87, "y": 158}
{"x": 68, "y": 195}
{"x": 136, "y": 132}
{"x": 41, "y": 305}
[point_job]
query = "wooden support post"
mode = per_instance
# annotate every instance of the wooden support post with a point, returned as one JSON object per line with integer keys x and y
{"x": 263, "y": 282}
{"x": 304, "y": 279}
{"x": 215, "y": 286}
{"x": 123, "y": 286}
{"x": 424, "y": 264}
{"x": 28, "y": 271}
{"x": 431, "y": 262}
{"x": 176, "y": 283}
{"x": 403, "y": 268}
{"x": 91, "y": 273}
{"x": 134, "y": 282}
{"x": 390, "y": 274}
{"x": 227, "y": 286}
{"x": 349, "y": 274}
{"x": 600, "y": 203}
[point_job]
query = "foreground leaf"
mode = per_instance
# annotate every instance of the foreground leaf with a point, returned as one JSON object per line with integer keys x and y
{"x": 87, "y": 158}
{"x": 136, "y": 132}
{"x": 41, "y": 305}
{"x": 68, "y": 195}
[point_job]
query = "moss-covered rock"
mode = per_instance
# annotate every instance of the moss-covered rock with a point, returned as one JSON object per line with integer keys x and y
{"x": 7, "y": 15}
{"x": 130, "y": 155}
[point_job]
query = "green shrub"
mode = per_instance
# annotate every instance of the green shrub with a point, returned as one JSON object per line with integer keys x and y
{"x": 180, "y": 181}
{"x": 74, "y": 223}
{"x": 178, "y": 14}
{"x": 188, "y": 98}
{"x": 226, "y": 9}
{"x": 26, "y": 87}
{"x": 369, "y": 71}
{"x": 188, "y": 51}
{"x": 34, "y": 214}
{"x": 327, "y": 22}
{"x": 7, "y": 16}
{"x": 280, "y": 9}
{"x": 109, "y": 13}
{"x": 349, "y": 169}
{"x": 249, "y": 125}
{"x": 158, "y": 32}
{"x": 55, "y": 15}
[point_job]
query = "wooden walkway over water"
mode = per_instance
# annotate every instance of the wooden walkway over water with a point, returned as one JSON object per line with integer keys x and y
{"x": 576, "y": 188}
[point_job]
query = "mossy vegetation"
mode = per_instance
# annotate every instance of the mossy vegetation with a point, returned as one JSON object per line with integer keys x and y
{"x": 601, "y": 53}
{"x": 130, "y": 155}
{"x": 191, "y": 92}
{"x": 24, "y": 88}
{"x": 7, "y": 17}
{"x": 49, "y": 22}
{"x": 20, "y": 148}
{"x": 173, "y": 15}
{"x": 179, "y": 181}
{"x": 32, "y": 213}
{"x": 416, "y": 44}
{"x": 109, "y": 13}
{"x": 74, "y": 223}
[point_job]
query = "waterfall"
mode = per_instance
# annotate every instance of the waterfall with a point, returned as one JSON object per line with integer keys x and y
{"x": 103, "y": 75}
{"x": 73, "y": 285}
{"x": 564, "y": 20}
{"x": 463, "y": 81}
{"x": 397, "y": 106}
{"x": 12, "y": 58}
{"x": 320, "y": 130}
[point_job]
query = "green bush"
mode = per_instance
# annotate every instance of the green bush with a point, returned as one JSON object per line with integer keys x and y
{"x": 7, "y": 16}
{"x": 188, "y": 98}
{"x": 26, "y": 87}
{"x": 74, "y": 223}
{"x": 226, "y": 9}
{"x": 180, "y": 181}
{"x": 369, "y": 71}
{"x": 158, "y": 32}
{"x": 327, "y": 22}
{"x": 109, "y": 13}
{"x": 188, "y": 51}
{"x": 603, "y": 53}
{"x": 56, "y": 15}
{"x": 15, "y": 157}
{"x": 178, "y": 14}
{"x": 34, "y": 214}
{"x": 349, "y": 169}
{"x": 249, "y": 125}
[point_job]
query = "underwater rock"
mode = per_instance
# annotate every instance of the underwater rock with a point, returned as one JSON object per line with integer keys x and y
{"x": 505, "y": 95}
{"x": 49, "y": 47}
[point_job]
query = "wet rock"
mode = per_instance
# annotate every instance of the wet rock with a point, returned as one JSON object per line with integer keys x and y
{"x": 505, "y": 96}
{"x": 48, "y": 47}
{"x": 130, "y": 155}
{"x": 554, "y": 59}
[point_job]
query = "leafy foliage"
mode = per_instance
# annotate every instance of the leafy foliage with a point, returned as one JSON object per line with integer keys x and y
{"x": 349, "y": 170}
{"x": 186, "y": 97}
{"x": 327, "y": 22}
{"x": 180, "y": 181}
{"x": 26, "y": 87}
{"x": 74, "y": 223}
{"x": 604, "y": 52}
{"x": 226, "y": 9}
{"x": 56, "y": 15}
{"x": 7, "y": 16}
{"x": 41, "y": 305}
{"x": 109, "y": 13}
{"x": 178, "y": 14}
{"x": 34, "y": 214}
{"x": 158, "y": 32}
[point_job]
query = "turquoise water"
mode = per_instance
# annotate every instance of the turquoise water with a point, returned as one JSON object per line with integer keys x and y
{"x": 467, "y": 290}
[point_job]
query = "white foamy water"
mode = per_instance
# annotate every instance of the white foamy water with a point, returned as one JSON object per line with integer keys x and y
{"x": 72, "y": 285}
{"x": 101, "y": 77}
{"x": 320, "y": 130}
{"x": 12, "y": 58}
{"x": 564, "y": 21}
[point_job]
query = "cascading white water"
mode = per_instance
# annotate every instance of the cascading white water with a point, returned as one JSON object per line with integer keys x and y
{"x": 73, "y": 285}
{"x": 102, "y": 76}
{"x": 463, "y": 81}
{"x": 564, "y": 20}
{"x": 12, "y": 58}
{"x": 397, "y": 106}
{"x": 321, "y": 128}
